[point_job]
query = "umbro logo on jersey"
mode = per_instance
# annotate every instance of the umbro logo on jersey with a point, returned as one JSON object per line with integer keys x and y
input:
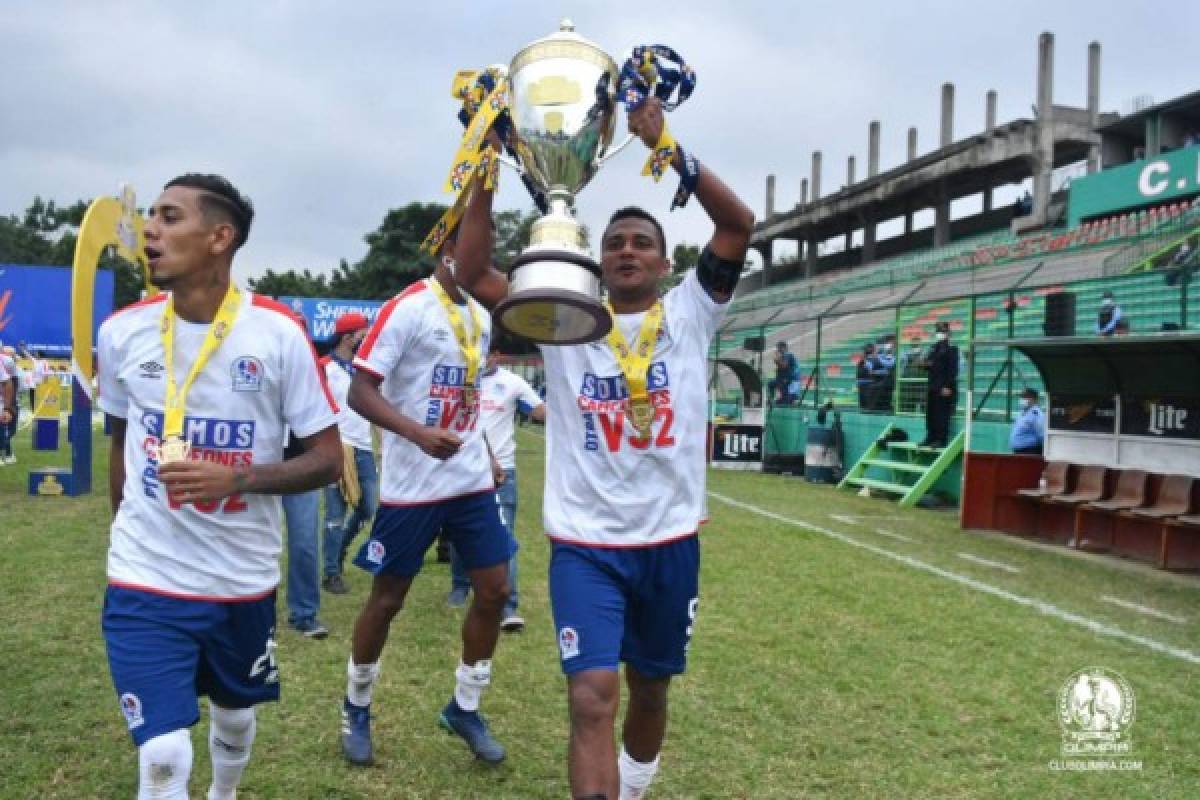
{"x": 151, "y": 369}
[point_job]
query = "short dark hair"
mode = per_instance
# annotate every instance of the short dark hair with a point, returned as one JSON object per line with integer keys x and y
{"x": 633, "y": 212}
{"x": 220, "y": 197}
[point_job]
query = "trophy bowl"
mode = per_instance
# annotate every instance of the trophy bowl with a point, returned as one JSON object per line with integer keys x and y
{"x": 563, "y": 113}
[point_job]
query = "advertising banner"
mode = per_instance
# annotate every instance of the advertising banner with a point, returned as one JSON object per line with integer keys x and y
{"x": 35, "y": 306}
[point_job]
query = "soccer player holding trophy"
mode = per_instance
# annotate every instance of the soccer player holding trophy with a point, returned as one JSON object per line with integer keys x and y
{"x": 626, "y": 388}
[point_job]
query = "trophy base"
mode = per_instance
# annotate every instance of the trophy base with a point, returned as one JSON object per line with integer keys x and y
{"x": 554, "y": 298}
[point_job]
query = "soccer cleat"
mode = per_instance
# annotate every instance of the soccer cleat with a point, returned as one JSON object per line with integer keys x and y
{"x": 335, "y": 584}
{"x": 512, "y": 622}
{"x": 311, "y": 628}
{"x": 10, "y": 459}
{"x": 356, "y": 733}
{"x": 473, "y": 728}
{"x": 457, "y": 598}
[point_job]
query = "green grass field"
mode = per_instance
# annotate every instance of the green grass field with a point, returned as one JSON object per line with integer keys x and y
{"x": 820, "y": 667}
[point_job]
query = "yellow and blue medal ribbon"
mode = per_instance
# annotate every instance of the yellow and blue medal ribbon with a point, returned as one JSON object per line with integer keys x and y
{"x": 468, "y": 346}
{"x": 648, "y": 70}
{"x": 173, "y": 447}
{"x": 635, "y": 364}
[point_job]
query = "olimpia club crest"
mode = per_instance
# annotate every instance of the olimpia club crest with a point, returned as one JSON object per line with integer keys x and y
{"x": 1096, "y": 709}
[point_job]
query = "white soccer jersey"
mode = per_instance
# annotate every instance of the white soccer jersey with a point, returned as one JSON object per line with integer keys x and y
{"x": 4, "y": 371}
{"x": 355, "y": 431}
{"x": 264, "y": 378}
{"x": 503, "y": 393}
{"x": 413, "y": 350}
{"x": 9, "y": 365}
{"x": 605, "y": 485}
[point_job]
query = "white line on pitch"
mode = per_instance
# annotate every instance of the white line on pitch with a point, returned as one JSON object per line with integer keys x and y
{"x": 845, "y": 520}
{"x": 1147, "y": 610}
{"x": 989, "y": 563}
{"x": 1041, "y": 606}
{"x": 890, "y": 535}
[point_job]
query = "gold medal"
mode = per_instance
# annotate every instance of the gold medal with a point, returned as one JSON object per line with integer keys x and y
{"x": 469, "y": 345}
{"x": 172, "y": 449}
{"x": 635, "y": 363}
{"x": 642, "y": 413}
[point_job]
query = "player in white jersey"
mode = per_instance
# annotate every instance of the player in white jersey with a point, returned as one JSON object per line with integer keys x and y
{"x": 8, "y": 410}
{"x": 350, "y": 502}
{"x": 623, "y": 502}
{"x": 8, "y": 363}
{"x": 417, "y": 379}
{"x": 503, "y": 393}
{"x": 198, "y": 385}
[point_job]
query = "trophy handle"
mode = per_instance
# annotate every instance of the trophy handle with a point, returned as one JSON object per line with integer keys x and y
{"x": 607, "y": 156}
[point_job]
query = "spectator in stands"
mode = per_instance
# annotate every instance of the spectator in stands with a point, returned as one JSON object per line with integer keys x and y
{"x": 1025, "y": 204}
{"x": 941, "y": 388}
{"x": 1029, "y": 429}
{"x": 786, "y": 384}
{"x": 866, "y": 376}
{"x": 886, "y": 359}
{"x": 1181, "y": 255}
{"x": 1109, "y": 319}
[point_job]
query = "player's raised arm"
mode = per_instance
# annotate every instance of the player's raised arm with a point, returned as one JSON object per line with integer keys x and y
{"x": 725, "y": 256}
{"x": 473, "y": 250}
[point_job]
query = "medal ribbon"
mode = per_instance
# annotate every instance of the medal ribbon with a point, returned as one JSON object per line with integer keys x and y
{"x": 635, "y": 362}
{"x": 645, "y": 72}
{"x": 484, "y": 96}
{"x": 218, "y": 331}
{"x": 467, "y": 346}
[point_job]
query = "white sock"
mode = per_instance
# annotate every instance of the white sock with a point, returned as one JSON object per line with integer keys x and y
{"x": 361, "y": 682}
{"x": 469, "y": 682}
{"x": 164, "y": 764}
{"x": 230, "y": 738}
{"x": 635, "y": 776}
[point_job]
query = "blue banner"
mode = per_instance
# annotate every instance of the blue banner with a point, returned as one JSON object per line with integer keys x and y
{"x": 35, "y": 306}
{"x": 321, "y": 313}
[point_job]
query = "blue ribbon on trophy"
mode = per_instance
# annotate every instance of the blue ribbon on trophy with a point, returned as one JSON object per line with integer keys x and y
{"x": 649, "y": 69}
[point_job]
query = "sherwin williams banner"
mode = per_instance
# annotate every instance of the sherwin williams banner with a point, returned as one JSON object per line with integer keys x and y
{"x": 35, "y": 306}
{"x": 321, "y": 313}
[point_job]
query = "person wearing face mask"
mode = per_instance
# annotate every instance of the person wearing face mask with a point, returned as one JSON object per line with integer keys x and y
{"x": 1029, "y": 429}
{"x": 941, "y": 389}
{"x": 358, "y": 490}
{"x": 1109, "y": 319}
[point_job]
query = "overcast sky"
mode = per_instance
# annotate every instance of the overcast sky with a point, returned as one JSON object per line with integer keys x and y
{"x": 329, "y": 113}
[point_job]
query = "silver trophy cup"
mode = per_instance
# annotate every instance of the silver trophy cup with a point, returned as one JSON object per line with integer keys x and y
{"x": 563, "y": 111}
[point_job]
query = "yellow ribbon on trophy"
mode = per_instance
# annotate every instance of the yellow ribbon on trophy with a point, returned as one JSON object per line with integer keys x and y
{"x": 660, "y": 158}
{"x": 174, "y": 447}
{"x": 468, "y": 346}
{"x": 472, "y": 161}
{"x": 635, "y": 364}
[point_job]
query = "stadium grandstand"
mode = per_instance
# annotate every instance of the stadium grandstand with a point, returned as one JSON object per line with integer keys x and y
{"x": 1125, "y": 223}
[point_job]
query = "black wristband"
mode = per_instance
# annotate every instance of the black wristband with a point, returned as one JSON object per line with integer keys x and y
{"x": 716, "y": 274}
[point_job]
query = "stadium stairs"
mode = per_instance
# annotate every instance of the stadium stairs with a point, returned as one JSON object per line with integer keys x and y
{"x": 902, "y": 468}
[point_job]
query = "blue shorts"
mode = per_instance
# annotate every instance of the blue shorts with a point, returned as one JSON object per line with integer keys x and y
{"x": 402, "y": 534}
{"x": 635, "y": 605}
{"x": 164, "y": 652}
